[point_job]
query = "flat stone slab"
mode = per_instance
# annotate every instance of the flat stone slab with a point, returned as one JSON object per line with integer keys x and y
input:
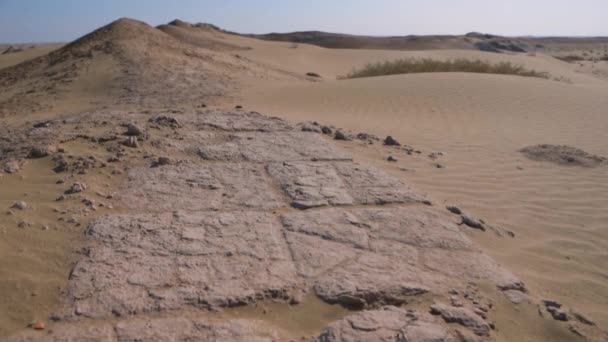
{"x": 200, "y": 187}
{"x": 387, "y": 324}
{"x": 145, "y": 263}
{"x": 272, "y": 147}
{"x": 317, "y": 184}
{"x": 158, "y": 329}
{"x": 245, "y": 121}
{"x": 363, "y": 258}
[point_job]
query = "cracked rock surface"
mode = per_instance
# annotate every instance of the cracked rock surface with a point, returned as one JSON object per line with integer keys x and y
{"x": 257, "y": 211}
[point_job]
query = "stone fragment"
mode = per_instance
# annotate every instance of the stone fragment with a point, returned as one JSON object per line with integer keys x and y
{"x": 340, "y": 135}
{"x": 20, "y": 205}
{"x": 11, "y": 166}
{"x": 42, "y": 151}
{"x": 390, "y": 141}
{"x": 76, "y": 188}
{"x": 454, "y": 210}
{"x": 516, "y": 297}
{"x": 163, "y": 120}
{"x": 326, "y": 130}
{"x": 472, "y": 222}
{"x": 579, "y": 316}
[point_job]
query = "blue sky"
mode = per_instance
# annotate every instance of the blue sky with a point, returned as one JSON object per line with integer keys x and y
{"x": 65, "y": 20}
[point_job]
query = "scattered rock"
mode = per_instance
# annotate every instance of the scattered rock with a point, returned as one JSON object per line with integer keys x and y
{"x": 163, "y": 120}
{"x": 516, "y": 297}
{"x": 310, "y": 127}
{"x": 557, "y": 313}
{"x": 133, "y": 130}
{"x": 326, "y": 130}
{"x": 61, "y": 164}
{"x": 21, "y": 205}
{"x": 454, "y": 210}
{"x": 42, "y": 151}
{"x": 238, "y": 107}
{"x": 24, "y": 224}
{"x": 581, "y": 317}
{"x": 391, "y": 159}
{"x": 131, "y": 142}
{"x": 551, "y": 303}
{"x": 341, "y": 136}
{"x": 472, "y": 222}
{"x": 11, "y": 166}
{"x": 76, "y": 188}
{"x": 38, "y": 326}
{"x": 313, "y": 74}
{"x": 390, "y": 141}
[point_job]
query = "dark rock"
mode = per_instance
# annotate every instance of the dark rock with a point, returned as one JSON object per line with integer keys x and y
{"x": 454, "y": 210}
{"x": 581, "y": 317}
{"x": 390, "y": 141}
{"x": 42, "y": 151}
{"x": 472, "y": 222}
{"x": 165, "y": 121}
{"x": 558, "y": 314}
{"x": 313, "y": 74}
{"x": 326, "y": 130}
{"x": 391, "y": 159}
{"x": 341, "y": 136}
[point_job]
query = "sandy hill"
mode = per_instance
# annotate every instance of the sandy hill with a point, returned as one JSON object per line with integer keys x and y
{"x": 126, "y": 62}
{"x": 202, "y": 35}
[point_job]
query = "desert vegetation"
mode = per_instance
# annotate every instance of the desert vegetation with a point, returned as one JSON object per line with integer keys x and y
{"x": 410, "y": 66}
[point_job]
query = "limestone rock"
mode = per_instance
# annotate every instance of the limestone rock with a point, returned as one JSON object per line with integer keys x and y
{"x": 192, "y": 187}
{"x": 386, "y": 324}
{"x": 251, "y": 121}
{"x": 148, "y": 263}
{"x": 272, "y": 147}
{"x": 463, "y": 317}
{"x": 313, "y": 184}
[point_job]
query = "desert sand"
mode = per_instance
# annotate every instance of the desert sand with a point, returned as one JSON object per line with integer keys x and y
{"x": 308, "y": 236}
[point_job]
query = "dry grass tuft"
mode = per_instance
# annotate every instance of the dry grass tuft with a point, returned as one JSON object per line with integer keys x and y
{"x": 410, "y": 66}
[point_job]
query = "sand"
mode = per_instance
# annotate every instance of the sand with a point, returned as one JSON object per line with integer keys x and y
{"x": 473, "y": 125}
{"x": 480, "y": 122}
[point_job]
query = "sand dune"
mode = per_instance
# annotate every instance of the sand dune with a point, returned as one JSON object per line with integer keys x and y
{"x": 481, "y": 122}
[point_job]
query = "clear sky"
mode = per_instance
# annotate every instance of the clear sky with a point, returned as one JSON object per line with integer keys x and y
{"x": 65, "y": 20}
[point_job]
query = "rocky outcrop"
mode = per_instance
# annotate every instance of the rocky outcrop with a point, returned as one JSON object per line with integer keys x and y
{"x": 259, "y": 210}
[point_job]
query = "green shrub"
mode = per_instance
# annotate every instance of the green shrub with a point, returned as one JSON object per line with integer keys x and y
{"x": 410, "y": 66}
